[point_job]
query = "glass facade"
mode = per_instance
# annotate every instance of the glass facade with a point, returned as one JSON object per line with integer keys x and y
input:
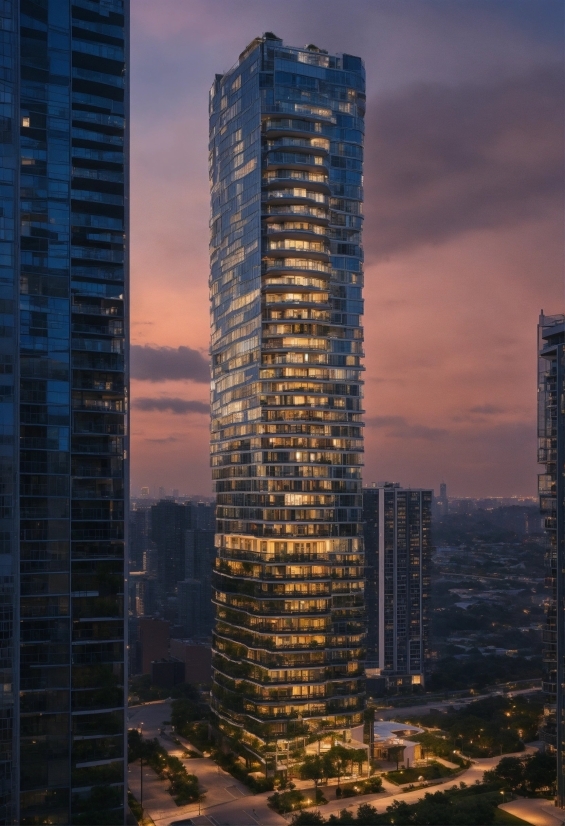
{"x": 63, "y": 224}
{"x": 551, "y": 484}
{"x": 169, "y": 523}
{"x": 398, "y": 548}
{"x": 286, "y": 154}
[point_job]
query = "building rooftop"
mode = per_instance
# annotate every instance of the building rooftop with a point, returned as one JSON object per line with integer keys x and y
{"x": 392, "y": 729}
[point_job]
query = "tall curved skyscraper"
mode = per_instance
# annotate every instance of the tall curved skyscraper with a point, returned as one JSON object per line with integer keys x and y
{"x": 286, "y": 156}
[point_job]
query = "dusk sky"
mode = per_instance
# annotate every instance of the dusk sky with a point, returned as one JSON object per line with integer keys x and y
{"x": 463, "y": 236}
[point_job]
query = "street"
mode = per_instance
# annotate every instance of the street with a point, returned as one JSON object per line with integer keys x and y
{"x": 229, "y": 803}
{"x": 401, "y": 713}
{"x": 227, "y": 799}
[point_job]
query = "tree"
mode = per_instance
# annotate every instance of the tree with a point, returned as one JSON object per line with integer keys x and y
{"x": 401, "y": 812}
{"x": 345, "y": 818}
{"x": 396, "y": 754}
{"x": 183, "y": 712}
{"x": 308, "y": 819}
{"x": 510, "y": 771}
{"x": 358, "y": 756}
{"x": 539, "y": 772}
{"x": 528, "y": 776}
{"x": 100, "y": 808}
{"x": 366, "y": 815}
{"x": 312, "y": 769}
{"x": 338, "y": 757}
{"x": 135, "y": 745}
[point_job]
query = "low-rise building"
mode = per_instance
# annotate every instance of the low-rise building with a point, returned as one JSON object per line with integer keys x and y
{"x": 391, "y": 742}
{"x": 154, "y": 637}
{"x": 197, "y": 659}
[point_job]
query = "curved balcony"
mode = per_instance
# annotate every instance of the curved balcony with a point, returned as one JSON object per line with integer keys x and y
{"x": 302, "y": 345}
{"x": 315, "y": 181}
{"x": 274, "y": 611}
{"x": 289, "y": 557}
{"x": 267, "y": 626}
{"x": 295, "y": 290}
{"x": 298, "y": 283}
{"x": 312, "y": 144}
{"x": 285, "y": 210}
{"x": 287, "y": 263}
{"x": 308, "y": 160}
{"x": 291, "y": 126}
{"x": 272, "y": 576}
{"x": 265, "y": 641}
{"x": 314, "y": 108}
{"x": 296, "y": 230}
{"x": 297, "y": 194}
{"x": 316, "y": 249}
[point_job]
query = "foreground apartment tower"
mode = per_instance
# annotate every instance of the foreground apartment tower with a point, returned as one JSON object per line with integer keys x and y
{"x": 398, "y": 549}
{"x": 286, "y": 144}
{"x": 551, "y": 453}
{"x": 63, "y": 219}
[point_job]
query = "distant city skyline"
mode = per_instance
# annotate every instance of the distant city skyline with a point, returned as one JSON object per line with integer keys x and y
{"x": 463, "y": 230}
{"x": 155, "y": 491}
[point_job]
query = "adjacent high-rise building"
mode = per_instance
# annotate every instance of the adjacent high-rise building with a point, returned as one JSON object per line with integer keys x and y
{"x": 183, "y": 537}
{"x": 63, "y": 300}
{"x": 139, "y": 541}
{"x": 169, "y": 524}
{"x": 195, "y": 607}
{"x": 551, "y": 453}
{"x": 286, "y": 150}
{"x": 443, "y": 501}
{"x": 398, "y": 550}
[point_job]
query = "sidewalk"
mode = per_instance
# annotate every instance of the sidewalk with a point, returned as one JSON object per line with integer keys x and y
{"x": 538, "y": 811}
{"x": 447, "y": 763}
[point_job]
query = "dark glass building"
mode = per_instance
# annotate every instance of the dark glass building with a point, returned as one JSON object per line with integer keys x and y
{"x": 286, "y": 154}
{"x": 551, "y": 483}
{"x": 398, "y": 549}
{"x": 139, "y": 541}
{"x": 195, "y": 607}
{"x": 169, "y": 523}
{"x": 63, "y": 396}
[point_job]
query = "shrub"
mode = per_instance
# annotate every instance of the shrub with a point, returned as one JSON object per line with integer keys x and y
{"x": 184, "y": 787}
{"x": 433, "y": 771}
{"x": 285, "y": 802}
{"x": 231, "y": 764}
{"x": 372, "y": 785}
{"x": 308, "y": 819}
{"x": 525, "y": 775}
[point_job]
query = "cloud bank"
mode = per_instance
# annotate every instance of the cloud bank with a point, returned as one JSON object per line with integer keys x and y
{"x": 150, "y": 363}
{"x": 442, "y": 160}
{"x": 171, "y": 405}
{"x": 399, "y": 428}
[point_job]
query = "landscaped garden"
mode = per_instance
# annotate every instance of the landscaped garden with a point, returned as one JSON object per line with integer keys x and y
{"x": 433, "y": 771}
{"x": 467, "y": 806}
{"x": 485, "y": 728}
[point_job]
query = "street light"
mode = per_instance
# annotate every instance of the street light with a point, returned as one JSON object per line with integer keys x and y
{"x": 141, "y": 771}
